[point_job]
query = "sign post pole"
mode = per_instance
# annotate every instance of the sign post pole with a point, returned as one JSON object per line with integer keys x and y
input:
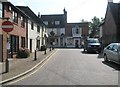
{"x": 7, "y": 26}
{"x": 7, "y": 53}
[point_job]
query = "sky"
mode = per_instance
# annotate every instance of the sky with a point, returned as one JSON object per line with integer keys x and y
{"x": 76, "y": 9}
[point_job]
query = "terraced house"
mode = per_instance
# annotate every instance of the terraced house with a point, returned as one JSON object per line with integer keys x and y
{"x": 29, "y": 30}
{"x": 36, "y": 33}
{"x": 56, "y": 27}
{"x": 17, "y": 37}
{"x": 75, "y": 33}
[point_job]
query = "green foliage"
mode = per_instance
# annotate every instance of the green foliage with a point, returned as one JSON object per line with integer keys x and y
{"x": 52, "y": 36}
{"x": 23, "y": 53}
{"x": 94, "y": 25}
{"x": 43, "y": 48}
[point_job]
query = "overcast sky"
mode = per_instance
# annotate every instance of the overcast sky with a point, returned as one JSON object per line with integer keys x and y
{"x": 76, "y": 9}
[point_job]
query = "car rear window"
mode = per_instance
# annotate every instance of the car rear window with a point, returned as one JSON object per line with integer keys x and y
{"x": 93, "y": 41}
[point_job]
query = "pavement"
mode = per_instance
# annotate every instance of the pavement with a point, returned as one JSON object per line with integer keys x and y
{"x": 21, "y": 66}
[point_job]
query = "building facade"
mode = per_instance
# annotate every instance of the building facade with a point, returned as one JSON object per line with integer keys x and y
{"x": 111, "y": 25}
{"x": 75, "y": 33}
{"x": 36, "y": 30}
{"x": 56, "y": 28}
{"x": 17, "y": 37}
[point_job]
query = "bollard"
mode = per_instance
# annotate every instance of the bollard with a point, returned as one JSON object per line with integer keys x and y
{"x": 45, "y": 51}
{"x": 7, "y": 65}
{"x": 35, "y": 57}
{"x": 50, "y": 48}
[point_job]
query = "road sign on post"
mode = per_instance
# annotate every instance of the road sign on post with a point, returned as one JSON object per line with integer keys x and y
{"x": 7, "y": 26}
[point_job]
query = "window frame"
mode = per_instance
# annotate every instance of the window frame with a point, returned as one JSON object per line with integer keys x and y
{"x": 1, "y": 8}
{"x": 15, "y": 17}
{"x": 22, "y": 21}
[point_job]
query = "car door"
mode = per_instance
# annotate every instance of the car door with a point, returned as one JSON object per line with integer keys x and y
{"x": 108, "y": 51}
{"x": 115, "y": 53}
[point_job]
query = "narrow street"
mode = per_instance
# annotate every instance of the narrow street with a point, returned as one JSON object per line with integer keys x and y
{"x": 72, "y": 67}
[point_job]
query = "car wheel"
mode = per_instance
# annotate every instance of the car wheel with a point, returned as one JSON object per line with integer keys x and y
{"x": 105, "y": 58}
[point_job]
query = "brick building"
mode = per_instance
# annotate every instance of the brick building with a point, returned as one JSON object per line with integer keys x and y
{"x": 75, "y": 33}
{"x": 17, "y": 37}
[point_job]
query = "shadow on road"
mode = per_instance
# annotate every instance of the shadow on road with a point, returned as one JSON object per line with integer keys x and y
{"x": 100, "y": 55}
{"x": 112, "y": 65}
{"x": 84, "y": 52}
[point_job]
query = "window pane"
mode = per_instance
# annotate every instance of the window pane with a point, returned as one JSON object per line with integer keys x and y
{"x": 0, "y": 9}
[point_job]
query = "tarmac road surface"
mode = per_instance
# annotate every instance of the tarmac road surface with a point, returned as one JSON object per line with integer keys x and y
{"x": 72, "y": 67}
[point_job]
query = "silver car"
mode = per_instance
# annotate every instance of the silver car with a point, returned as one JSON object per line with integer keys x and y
{"x": 112, "y": 53}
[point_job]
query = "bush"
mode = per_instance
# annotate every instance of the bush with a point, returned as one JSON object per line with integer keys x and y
{"x": 23, "y": 53}
{"x": 43, "y": 48}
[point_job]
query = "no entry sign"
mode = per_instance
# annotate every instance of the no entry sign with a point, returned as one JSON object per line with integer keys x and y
{"x": 7, "y": 26}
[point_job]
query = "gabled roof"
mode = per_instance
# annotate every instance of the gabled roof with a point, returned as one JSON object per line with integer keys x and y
{"x": 115, "y": 11}
{"x": 31, "y": 14}
{"x": 15, "y": 8}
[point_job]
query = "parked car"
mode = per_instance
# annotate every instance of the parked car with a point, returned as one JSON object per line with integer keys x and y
{"x": 92, "y": 45}
{"x": 112, "y": 53}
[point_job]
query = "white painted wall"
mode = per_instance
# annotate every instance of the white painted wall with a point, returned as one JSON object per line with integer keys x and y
{"x": 57, "y": 31}
{"x": 32, "y": 34}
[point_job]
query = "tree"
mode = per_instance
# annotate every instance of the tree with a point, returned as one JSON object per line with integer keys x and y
{"x": 52, "y": 33}
{"x": 94, "y": 25}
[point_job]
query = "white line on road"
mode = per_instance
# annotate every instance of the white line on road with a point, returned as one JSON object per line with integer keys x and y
{"x": 33, "y": 71}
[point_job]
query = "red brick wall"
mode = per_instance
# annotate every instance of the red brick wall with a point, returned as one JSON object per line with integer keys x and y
{"x": 69, "y": 26}
{"x": 17, "y": 31}
{"x": 68, "y": 30}
{"x": 85, "y": 31}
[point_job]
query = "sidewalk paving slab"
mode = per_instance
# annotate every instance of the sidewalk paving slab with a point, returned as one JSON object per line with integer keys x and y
{"x": 21, "y": 66}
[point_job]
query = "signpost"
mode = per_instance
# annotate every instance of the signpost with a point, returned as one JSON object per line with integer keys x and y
{"x": 7, "y": 26}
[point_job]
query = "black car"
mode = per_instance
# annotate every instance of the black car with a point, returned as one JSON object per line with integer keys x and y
{"x": 92, "y": 45}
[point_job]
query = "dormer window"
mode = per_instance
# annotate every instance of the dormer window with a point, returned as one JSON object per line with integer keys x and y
{"x": 57, "y": 22}
{"x": 46, "y": 22}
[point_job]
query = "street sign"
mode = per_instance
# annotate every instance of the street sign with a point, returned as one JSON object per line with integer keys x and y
{"x": 7, "y": 26}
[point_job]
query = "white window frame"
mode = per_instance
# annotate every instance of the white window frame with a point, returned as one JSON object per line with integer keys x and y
{"x": 1, "y": 10}
{"x": 57, "y": 22}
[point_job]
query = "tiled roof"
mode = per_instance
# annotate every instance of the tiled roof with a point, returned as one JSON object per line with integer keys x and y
{"x": 53, "y": 18}
{"x": 15, "y": 8}
{"x": 31, "y": 14}
{"x": 115, "y": 10}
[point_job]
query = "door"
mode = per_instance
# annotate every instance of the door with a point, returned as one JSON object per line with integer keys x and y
{"x": 114, "y": 53}
{"x": 30, "y": 45}
{"x": 76, "y": 43}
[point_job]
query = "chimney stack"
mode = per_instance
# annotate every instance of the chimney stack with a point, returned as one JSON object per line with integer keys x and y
{"x": 39, "y": 14}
